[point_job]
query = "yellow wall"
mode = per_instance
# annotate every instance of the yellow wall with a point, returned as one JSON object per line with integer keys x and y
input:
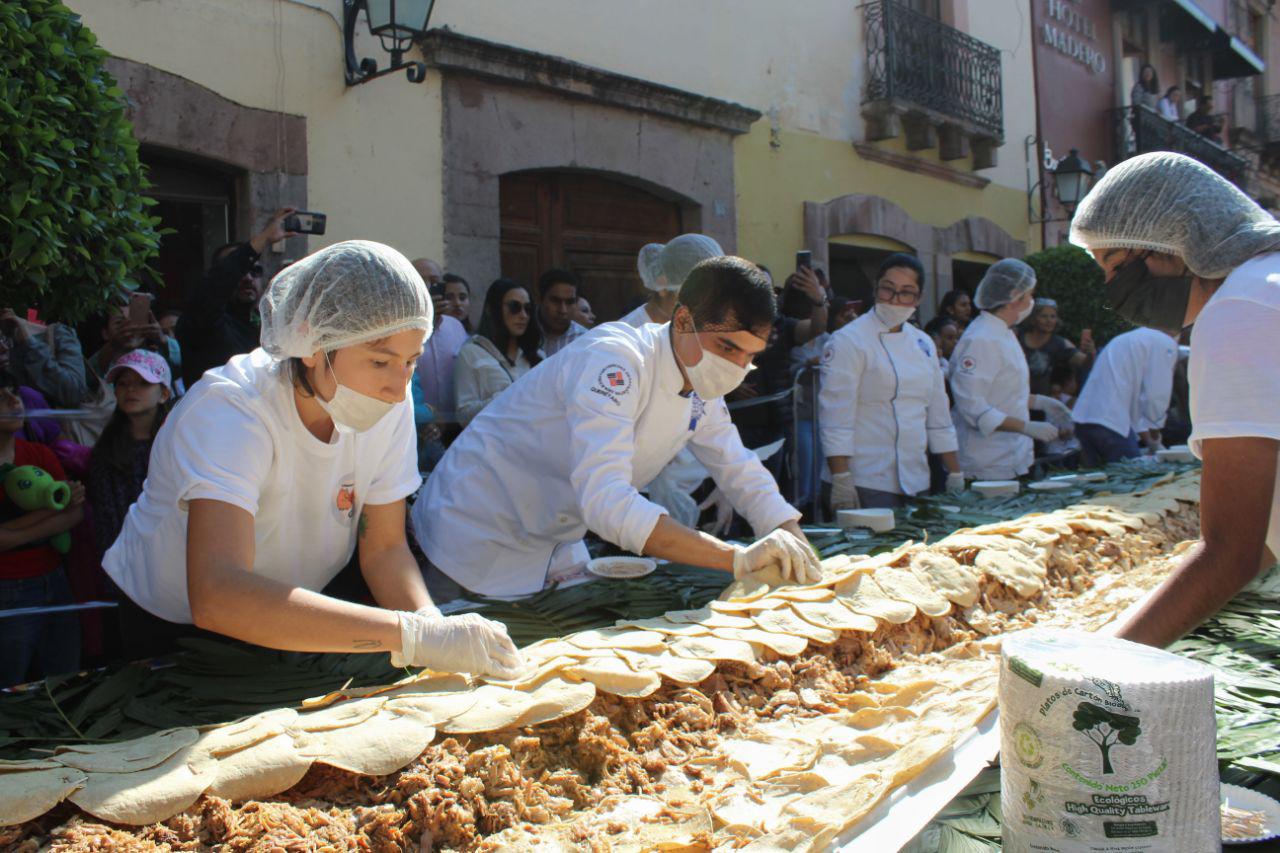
{"x": 373, "y": 151}
{"x": 773, "y": 184}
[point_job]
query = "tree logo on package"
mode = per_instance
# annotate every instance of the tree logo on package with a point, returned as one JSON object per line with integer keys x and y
{"x": 1033, "y": 796}
{"x": 1105, "y": 728}
{"x": 613, "y": 381}
{"x": 1027, "y": 746}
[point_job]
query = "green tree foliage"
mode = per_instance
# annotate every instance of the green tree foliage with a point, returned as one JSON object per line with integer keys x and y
{"x": 1105, "y": 728}
{"x": 1069, "y": 275}
{"x": 74, "y": 225}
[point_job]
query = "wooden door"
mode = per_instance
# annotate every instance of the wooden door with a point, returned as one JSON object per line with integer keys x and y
{"x": 588, "y": 224}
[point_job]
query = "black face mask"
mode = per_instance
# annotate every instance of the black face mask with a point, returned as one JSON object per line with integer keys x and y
{"x": 1159, "y": 302}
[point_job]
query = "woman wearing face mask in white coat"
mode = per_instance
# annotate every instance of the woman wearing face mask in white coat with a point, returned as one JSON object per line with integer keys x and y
{"x": 991, "y": 383}
{"x": 570, "y": 445}
{"x": 275, "y": 468}
{"x": 883, "y": 404}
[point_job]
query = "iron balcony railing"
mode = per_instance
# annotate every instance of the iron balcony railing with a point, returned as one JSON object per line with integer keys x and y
{"x": 1140, "y": 129}
{"x": 917, "y": 61}
{"x": 1268, "y": 129}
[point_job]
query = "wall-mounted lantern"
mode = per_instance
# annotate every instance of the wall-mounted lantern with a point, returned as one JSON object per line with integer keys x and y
{"x": 1071, "y": 179}
{"x": 396, "y": 23}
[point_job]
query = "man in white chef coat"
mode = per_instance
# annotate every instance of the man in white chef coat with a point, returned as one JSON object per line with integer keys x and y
{"x": 567, "y": 448}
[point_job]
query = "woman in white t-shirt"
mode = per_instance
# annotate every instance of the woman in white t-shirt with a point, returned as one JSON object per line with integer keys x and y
{"x": 1180, "y": 245}
{"x": 505, "y": 349}
{"x": 277, "y": 467}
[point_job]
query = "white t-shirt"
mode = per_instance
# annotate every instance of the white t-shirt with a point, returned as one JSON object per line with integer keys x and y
{"x": 1234, "y": 372}
{"x": 1129, "y": 387}
{"x": 236, "y": 437}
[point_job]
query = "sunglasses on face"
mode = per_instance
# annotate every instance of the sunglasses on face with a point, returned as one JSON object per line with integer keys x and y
{"x": 514, "y": 308}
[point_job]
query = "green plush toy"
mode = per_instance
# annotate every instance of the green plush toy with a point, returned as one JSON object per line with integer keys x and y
{"x": 32, "y": 488}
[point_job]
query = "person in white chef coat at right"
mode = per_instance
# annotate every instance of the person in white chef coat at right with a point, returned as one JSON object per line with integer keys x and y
{"x": 991, "y": 384}
{"x": 567, "y": 448}
{"x": 883, "y": 405}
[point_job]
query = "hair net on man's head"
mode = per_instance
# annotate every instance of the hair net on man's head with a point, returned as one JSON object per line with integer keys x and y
{"x": 1170, "y": 203}
{"x": 680, "y": 256}
{"x": 649, "y": 262}
{"x": 1004, "y": 282}
{"x": 345, "y": 294}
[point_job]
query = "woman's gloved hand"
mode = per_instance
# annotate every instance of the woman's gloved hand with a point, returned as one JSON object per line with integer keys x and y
{"x": 1055, "y": 410}
{"x": 792, "y": 556}
{"x": 1041, "y": 431}
{"x": 844, "y": 494}
{"x": 955, "y": 483}
{"x": 465, "y": 643}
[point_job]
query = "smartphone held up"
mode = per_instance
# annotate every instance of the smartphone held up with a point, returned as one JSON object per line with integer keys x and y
{"x": 305, "y": 222}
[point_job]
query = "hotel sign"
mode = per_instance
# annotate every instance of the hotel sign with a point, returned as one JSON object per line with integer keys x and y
{"x": 1069, "y": 32}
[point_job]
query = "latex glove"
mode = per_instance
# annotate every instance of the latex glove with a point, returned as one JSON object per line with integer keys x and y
{"x": 1155, "y": 447}
{"x": 1054, "y": 410}
{"x": 724, "y": 513}
{"x": 429, "y": 610}
{"x": 955, "y": 483}
{"x": 791, "y": 555}
{"x": 844, "y": 494}
{"x": 465, "y": 643}
{"x": 1041, "y": 430}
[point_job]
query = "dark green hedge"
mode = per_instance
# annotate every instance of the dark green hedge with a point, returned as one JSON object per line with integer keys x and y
{"x": 74, "y": 225}
{"x": 1069, "y": 275}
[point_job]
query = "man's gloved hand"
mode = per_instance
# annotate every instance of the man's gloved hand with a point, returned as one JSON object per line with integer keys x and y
{"x": 1041, "y": 430}
{"x": 465, "y": 643}
{"x": 955, "y": 483}
{"x": 844, "y": 494}
{"x": 782, "y": 548}
{"x": 724, "y": 513}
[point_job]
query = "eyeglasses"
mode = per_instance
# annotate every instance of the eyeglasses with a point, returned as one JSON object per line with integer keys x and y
{"x": 886, "y": 293}
{"x": 514, "y": 307}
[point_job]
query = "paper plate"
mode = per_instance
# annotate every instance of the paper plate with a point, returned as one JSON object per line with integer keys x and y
{"x": 1176, "y": 454}
{"x": 990, "y": 488}
{"x": 1254, "y": 801}
{"x": 1049, "y": 486}
{"x": 622, "y": 567}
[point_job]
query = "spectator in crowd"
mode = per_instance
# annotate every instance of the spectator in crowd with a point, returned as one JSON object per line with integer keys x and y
{"x": 120, "y": 336}
{"x": 1170, "y": 106}
{"x": 434, "y": 374}
{"x": 1045, "y": 349}
{"x": 430, "y": 271}
{"x": 1126, "y": 396}
{"x": 1146, "y": 90}
{"x": 1182, "y": 247}
{"x": 583, "y": 315}
{"x": 663, "y": 269}
{"x": 945, "y": 332}
{"x": 992, "y": 385}
{"x": 142, "y": 383}
{"x": 1203, "y": 121}
{"x": 282, "y": 464}
{"x": 505, "y": 348}
{"x": 957, "y": 305}
{"x": 221, "y": 318}
{"x": 47, "y": 359}
{"x": 168, "y": 320}
{"x": 557, "y": 299}
{"x": 1064, "y": 385}
{"x": 883, "y": 405}
{"x": 31, "y": 568}
{"x": 457, "y": 299}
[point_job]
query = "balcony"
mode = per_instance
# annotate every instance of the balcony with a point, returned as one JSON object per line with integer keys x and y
{"x": 936, "y": 85}
{"x": 1140, "y": 129}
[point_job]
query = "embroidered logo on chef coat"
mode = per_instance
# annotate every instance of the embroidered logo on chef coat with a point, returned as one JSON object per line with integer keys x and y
{"x": 697, "y": 412}
{"x": 613, "y": 382}
{"x": 828, "y": 354}
{"x": 967, "y": 364}
{"x": 345, "y": 501}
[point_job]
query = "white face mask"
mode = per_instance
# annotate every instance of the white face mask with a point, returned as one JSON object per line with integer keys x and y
{"x": 1025, "y": 312}
{"x": 714, "y": 376}
{"x": 352, "y": 411}
{"x": 894, "y": 316}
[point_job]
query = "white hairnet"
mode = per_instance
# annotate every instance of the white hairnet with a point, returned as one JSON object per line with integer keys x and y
{"x": 649, "y": 262}
{"x": 679, "y": 257}
{"x": 1004, "y": 282}
{"x": 345, "y": 294}
{"x": 1169, "y": 203}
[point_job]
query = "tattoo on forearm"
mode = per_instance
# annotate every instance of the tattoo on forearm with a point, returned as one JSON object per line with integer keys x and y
{"x": 365, "y": 645}
{"x": 362, "y": 526}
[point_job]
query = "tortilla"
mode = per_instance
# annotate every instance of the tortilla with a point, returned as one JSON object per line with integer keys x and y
{"x": 339, "y": 716}
{"x": 438, "y": 708}
{"x": 787, "y": 645}
{"x": 862, "y": 594}
{"x": 27, "y": 794}
{"x": 378, "y": 745}
{"x": 244, "y": 733}
{"x": 713, "y": 649}
{"x": 146, "y": 795}
{"x": 126, "y": 756}
{"x": 834, "y": 615}
{"x": 954, "y": 581}
{"x": 615, "y": 638}
{"x": 1013, "y": 570}
{"x": 555, "y": 698}
{"x": 785, "y": 621}
{"x": 613, "y": 675}
{"x": 665, "y": 626}
{"x": 490, "y": 708}
{"x": 262, "y": 770}
{"x": 905, "y": 585}
{"x": 669, "y": 666}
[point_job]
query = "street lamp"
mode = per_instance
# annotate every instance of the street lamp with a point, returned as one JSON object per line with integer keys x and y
{"x": 396, "y": 23}
{"x": 1071, "y": 179}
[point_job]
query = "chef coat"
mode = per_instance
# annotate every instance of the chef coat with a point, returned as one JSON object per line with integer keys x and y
{"x": 990, "y": 382}
{"x": 566, "y": 449}
{"x": 1129, "y": 387}
{"x": 883, "y": 403}
{"x": 639, "y": 316}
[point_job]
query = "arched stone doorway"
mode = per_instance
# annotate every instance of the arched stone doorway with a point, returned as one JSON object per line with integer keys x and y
{"x": 592, "y": 224}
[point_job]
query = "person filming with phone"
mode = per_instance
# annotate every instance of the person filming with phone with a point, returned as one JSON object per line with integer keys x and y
{"x": 221, "y": 317}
